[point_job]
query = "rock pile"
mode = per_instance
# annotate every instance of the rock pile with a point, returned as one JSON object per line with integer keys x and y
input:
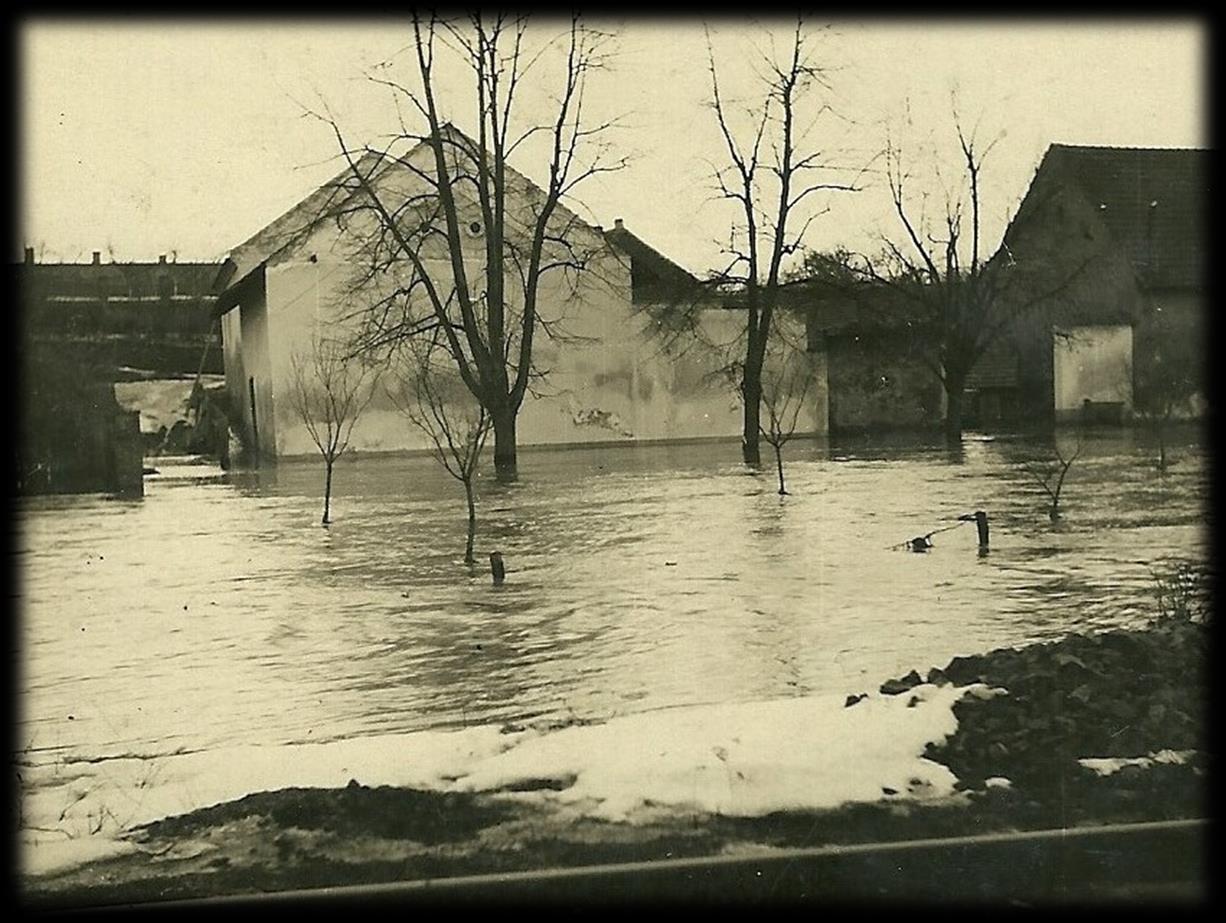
{"x": 1122, "y": 693}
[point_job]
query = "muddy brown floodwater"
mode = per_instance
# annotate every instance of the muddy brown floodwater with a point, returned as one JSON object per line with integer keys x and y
{"x": 216, "y": 611}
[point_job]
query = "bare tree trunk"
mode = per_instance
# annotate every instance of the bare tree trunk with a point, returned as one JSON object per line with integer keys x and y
{"x": 327, "y": 491}
{"x": 751, "y": 395}
{"x": 504, "y": 442}
{"x": 954, "y": 388}
{"x": 472, "y": 521}
{"x": 751, "y": 385}
{"x": 779, "y": 464}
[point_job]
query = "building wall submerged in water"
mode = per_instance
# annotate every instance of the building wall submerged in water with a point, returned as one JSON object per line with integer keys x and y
{"x": 603, "y": 376}
{"x": 1115, "y": 240}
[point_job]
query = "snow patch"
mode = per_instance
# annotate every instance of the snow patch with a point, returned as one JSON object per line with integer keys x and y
{"x": 738, "y": 759}
{"x": 110, "y": 798}
{"x": 162, "y": 402}
{"x": 58, "y": 855}
{"x": 1110, "y": 765}
{"x": 743, "y": 759}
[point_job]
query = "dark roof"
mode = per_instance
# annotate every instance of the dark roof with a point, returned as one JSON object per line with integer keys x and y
{"x": 118, "y": 280}
{"x": 651, "y": 272}
{"x": 855, "y": 309}
{"x": 997, "y": 367}
{"x": 1152, "y": 201}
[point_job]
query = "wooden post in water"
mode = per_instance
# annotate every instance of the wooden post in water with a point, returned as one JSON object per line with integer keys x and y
{"x": 980, "y": 519}
{"x": 981, "y": 523}
{"x": 497, "y": 568}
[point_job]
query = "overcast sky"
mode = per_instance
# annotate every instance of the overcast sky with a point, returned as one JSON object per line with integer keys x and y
{"x": 186, "y": 137}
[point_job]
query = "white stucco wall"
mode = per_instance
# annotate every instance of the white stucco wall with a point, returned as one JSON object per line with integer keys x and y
{"x": 294, "y": 289}
{"x": 245, "y": 352}
{"x": 232, "y": 351}
{"x": 818, "y": 416}
{"x": 1092, "y": 363}
{"x": 606, "y": 381}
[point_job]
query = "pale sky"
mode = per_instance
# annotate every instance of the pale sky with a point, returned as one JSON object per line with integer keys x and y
{"x": 187, "y": 136}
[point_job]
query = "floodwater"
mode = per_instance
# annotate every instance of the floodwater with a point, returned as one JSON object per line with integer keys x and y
{"x": 216, "y": 611}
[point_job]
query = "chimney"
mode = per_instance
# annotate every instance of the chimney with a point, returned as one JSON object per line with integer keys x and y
{"x": 97, "y": 257}
{"x": 29, "y": 256}
{"x": 617, "y": 223}
{"x": 162, "y": 258}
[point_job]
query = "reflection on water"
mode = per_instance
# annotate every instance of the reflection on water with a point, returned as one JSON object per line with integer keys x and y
{"x": 216, "y": 611}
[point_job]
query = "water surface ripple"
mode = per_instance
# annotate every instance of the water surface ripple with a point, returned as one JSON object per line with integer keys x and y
{"x": 216, "y": 611}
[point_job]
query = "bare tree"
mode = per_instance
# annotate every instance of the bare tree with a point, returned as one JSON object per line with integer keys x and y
{"x": 771, "y": 171}
{"x": 328, "y": 391}
{"x": 1050, "y": 473}
{"x": 961, "y": 299}
{"x": 1167, "y": 375}
{"x": 788, "y": 388}
{"x": 458, "y": 243}
{"x": 427, "y": 390}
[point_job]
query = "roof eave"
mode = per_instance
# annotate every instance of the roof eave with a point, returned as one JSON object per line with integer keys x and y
{"x": 233, "y": 295}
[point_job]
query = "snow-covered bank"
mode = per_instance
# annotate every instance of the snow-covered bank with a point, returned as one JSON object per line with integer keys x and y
{"x": 741, "y": 760}
{"x": 745, "y": 759}
{"x": 1085, "y": 731}
{"x": 85, "y": 816}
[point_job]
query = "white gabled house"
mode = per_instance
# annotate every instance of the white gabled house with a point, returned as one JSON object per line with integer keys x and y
{"x": 605, "y": 379}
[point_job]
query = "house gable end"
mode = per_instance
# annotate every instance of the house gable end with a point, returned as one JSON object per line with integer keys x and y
{"x": 1152, "y": 203}
{"x": 301, "y": 230}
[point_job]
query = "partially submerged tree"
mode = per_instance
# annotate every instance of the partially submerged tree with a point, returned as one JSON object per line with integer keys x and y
{"x": 772, "y": 169}
{"x": 961, "y": 295}
{"x": 1166, "y": 378}
{"x": 462, "y": 248}
{"x": 1050, "y": 473}
{"x": 789, "y": 387}
{"x": 426, "y": 389}
{"x": 328, "y": 392}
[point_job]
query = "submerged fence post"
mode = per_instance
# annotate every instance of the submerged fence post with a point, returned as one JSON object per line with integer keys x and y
{"x": 496, "y": 567}
{"x": 980, "y": 518}
{"x": 981, "y": 523}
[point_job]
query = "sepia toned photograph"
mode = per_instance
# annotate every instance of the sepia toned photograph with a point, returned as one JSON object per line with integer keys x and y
{"x": 497, "y": 458}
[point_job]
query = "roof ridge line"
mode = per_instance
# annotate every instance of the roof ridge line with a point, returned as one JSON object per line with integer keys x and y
{"x": 1125, "y": 147}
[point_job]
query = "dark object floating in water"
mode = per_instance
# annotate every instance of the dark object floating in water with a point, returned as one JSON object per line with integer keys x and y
{"x": 150, "y": 471}
{"x": 922, "y": 543}
{"x": 853, "y": 699}
{"x": 670, "y": 563}
{"x": 497, "y": 568}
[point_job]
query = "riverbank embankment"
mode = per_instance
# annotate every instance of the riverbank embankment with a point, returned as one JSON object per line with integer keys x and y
{"x": 1089, "y": 730}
